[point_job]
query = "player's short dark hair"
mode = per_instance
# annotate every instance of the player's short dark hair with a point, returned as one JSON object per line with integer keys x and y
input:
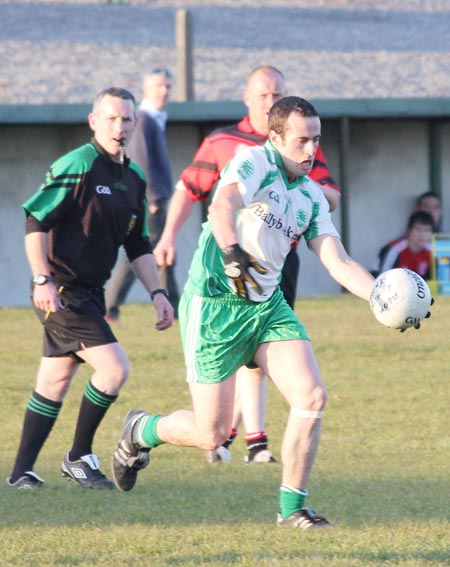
{"x": 281, "y": 110}
{"x": 117, "y": 92}
{"x": 421, "y": 217}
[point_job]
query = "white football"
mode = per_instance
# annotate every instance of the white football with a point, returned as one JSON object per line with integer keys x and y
{"x": 400, "y": 298}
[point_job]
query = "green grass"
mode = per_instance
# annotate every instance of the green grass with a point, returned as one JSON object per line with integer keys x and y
{"x": 381, "y": 474}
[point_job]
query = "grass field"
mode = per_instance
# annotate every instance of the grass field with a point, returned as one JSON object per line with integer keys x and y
{"x": 381, "y": 475}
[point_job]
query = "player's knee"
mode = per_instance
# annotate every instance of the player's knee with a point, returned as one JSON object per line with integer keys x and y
{"x": 54, "y": 385}
{"x": 118, "y": 375}
{"x": 317, "y": 399}
{"x": 122, "y": 374}
{"x": 311, "y": 406}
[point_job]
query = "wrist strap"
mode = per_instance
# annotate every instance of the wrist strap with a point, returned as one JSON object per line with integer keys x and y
{"x": 156, "y": 291}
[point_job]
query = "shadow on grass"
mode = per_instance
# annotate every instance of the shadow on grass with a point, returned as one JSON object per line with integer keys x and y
{"x": 218, "y": 498}
{"x": 367, "y": 558}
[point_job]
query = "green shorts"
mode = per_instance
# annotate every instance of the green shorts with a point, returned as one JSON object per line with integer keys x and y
{"x": 221, "y": 334}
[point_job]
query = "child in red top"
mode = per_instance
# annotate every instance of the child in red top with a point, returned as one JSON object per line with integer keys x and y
{"x": 414, "y": 252}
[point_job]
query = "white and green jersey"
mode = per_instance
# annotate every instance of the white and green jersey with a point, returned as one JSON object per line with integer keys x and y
{"x": 275, "y": 216}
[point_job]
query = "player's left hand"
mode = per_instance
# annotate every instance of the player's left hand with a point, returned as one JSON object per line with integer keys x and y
{"x": 237, "y": 263}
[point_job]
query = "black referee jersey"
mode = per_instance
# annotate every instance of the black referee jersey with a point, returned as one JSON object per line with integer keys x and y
{"x": 90, "y": 206}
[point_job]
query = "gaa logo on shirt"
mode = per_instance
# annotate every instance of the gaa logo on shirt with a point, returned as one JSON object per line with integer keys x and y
{"x": 103, "y": 190}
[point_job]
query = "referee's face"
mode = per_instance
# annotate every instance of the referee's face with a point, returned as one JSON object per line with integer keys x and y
{"x": 112, "y": 123}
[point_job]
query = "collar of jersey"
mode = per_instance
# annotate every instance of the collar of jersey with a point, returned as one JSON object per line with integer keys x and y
{"x": 246, "y": 127}
{"x": 274, "y": 157}
{"x": 104, "y": 154}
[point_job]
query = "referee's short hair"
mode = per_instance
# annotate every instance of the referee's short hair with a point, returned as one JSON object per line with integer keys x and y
{"x": 116, "y": 92}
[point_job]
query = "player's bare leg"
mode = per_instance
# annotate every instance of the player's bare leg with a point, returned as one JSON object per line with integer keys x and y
{"x": 252, "y": 385}
{"x": 293, "y": 368}
{"x": 204, "y": 427}
{"x": 222, "y": 453}
{"x": 249, "y": 406}
{"x": 208, "y": 425}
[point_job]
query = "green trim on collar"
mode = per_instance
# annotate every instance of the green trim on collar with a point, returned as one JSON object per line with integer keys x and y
{"x": 274, "y": 157}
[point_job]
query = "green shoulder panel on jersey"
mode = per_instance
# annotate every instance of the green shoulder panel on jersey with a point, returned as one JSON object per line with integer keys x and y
{"x": 313, "y": 229}
{"x": 64, "y": 175}
{"x": 137, "y": 169}
{"x": 269, "y": 179}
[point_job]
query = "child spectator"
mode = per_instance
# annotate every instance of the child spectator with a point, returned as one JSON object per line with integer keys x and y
{"x": 414, "y": 251}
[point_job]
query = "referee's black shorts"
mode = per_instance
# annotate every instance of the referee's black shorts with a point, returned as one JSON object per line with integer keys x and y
{"x": 81, "y": 324}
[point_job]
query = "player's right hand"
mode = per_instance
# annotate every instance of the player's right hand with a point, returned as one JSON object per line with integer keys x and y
{"x": 237, "y": 263}
{"x": 46, "y": 297}
{"x": 164, "y": 252}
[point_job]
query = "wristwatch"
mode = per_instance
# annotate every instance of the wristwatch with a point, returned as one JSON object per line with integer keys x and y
{"x": 41, "y": 279}
{"x": 156, "y": 291}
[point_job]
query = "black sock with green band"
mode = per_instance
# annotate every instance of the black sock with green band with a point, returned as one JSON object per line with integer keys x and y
{"x": 94, "y": 406}
{"x": 40, "y": 417}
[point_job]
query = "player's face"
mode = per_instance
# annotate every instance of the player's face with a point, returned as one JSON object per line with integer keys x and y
{"x": 432, "y": 206}
{"x": 263, "y": 90}
{"x": 157, "y": 90}
{"x": 419, "y": 237}
{"x": 299, "y": 143}
{"x": 112, "y": 121}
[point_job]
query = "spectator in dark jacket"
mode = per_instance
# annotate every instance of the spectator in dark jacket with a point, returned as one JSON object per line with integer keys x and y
{"x": 148, "y": 148}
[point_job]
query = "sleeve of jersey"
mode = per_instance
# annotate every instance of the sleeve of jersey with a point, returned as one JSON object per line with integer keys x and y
{"x": 138, "y": 241}
{"x": 48, "y": 206}
{"x": 199, "y": 178}
{"x": 320, "y": 172}
{"x": 248, "y": 170}
{"x": 321, "y": 222}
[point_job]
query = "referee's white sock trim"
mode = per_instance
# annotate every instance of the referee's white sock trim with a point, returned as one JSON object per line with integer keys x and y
{"x": 298, "y": 412}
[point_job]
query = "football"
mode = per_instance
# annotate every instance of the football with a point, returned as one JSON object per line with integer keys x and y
{"x": 400, "y": 299}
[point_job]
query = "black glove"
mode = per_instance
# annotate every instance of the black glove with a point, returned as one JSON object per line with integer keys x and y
{"x": 237, "y": 263}
{"x": 427, "y": 316}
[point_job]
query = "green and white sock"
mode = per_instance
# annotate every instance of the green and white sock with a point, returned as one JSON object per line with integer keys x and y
{"x": 145, "y": 432}
{"x": 291, "y": 499}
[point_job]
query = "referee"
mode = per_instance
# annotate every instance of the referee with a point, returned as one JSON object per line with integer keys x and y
{"x": 91, "y": 202}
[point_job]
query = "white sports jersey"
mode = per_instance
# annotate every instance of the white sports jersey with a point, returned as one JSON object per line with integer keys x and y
{"x": 276, "y": 214}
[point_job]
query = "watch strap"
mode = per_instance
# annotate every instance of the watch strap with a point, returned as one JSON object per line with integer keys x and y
{"x": 160, "y": 290}
{"x": 41, "y": 279}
